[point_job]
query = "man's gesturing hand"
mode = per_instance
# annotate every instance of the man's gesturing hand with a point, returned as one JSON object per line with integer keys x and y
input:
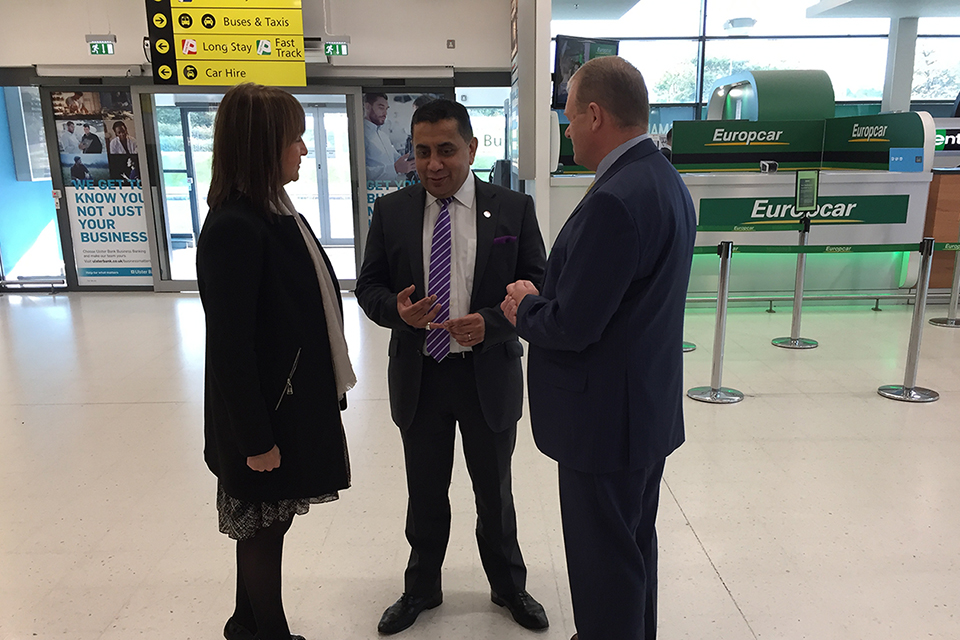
{"x": 416, "y": 314}
{"x": 468, "y": 331}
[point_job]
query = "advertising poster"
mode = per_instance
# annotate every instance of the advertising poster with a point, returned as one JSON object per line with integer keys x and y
{"x": 388, "y": 143}
{"x": 101, "y": 177}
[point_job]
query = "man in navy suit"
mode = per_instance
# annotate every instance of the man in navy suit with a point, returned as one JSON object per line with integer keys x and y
{"x": 438, "y": 257}
{"x": 605, "y": 370}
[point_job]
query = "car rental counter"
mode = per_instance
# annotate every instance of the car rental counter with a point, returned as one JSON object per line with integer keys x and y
{"x": 874, "y": 182}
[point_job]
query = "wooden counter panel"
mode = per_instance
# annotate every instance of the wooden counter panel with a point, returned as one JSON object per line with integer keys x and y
{"x": 943, "y": 223}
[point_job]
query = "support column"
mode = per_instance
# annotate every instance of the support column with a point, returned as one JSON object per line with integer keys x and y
{"x": 901, "y": 49}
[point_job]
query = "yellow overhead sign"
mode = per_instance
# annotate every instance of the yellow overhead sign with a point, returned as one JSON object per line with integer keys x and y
{"x": 237, "y": 21}
{"x": 224, "y": 42}
{"x": 236, "y": 4}
{"x": 228, "y": 72}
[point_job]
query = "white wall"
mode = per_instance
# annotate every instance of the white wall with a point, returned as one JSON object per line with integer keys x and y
{"x": 415, "y": 32}
{"x": 51, "y": 32}
{"x": 383, "y": 33}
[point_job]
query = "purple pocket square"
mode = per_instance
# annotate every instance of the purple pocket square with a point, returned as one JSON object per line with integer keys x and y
{"x": 504, "y": 239}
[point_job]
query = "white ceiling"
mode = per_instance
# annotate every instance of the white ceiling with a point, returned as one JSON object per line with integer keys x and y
{"x": 590, "y": 9}
{"x": 884, "y": 9}
{"x": 614, "y": 9}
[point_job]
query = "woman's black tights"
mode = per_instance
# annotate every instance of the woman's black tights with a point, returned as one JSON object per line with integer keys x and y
{"x": 259, "y": 605}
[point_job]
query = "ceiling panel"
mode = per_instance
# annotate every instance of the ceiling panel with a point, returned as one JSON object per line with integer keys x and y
{"x": 590, "y": 9}
{"x": 883, "y": 9}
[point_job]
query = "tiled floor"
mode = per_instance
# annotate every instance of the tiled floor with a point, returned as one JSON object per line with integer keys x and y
{"x": 813, "y": 509}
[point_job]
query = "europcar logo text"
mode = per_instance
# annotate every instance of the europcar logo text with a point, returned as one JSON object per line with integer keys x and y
{"x": 724, "y": 138}
{"x": 869, "y": 133}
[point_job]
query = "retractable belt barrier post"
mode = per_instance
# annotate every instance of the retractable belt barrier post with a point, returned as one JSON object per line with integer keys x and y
{"x": 716, "y": 394}
{"x": 951, "y": 319}
{"x": 909, "y": 392}
{"x": 795, "y": 341}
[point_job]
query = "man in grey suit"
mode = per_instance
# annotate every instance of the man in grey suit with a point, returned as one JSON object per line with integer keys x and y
{"x": 438, "y": 257}
{"x": 605, "y": 370}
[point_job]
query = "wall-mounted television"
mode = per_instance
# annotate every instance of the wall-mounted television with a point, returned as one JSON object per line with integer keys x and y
{"x": 571, "y": 54}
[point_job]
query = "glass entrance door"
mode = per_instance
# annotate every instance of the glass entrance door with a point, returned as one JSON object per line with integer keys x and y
{"x": 323, "y": 193}
{"x": 186, "y": 150}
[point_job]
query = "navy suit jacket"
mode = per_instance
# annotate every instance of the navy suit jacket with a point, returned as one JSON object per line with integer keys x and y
{"x": 605, "y": 370}
{"x": 509, "y": 248}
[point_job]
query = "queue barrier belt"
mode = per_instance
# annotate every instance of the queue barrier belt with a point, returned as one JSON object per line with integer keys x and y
{"x": 767, "y": 226}
{"x": 829, "y": 248}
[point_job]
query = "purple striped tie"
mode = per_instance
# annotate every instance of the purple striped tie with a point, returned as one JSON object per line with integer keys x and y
{"x": 438, "y": 340}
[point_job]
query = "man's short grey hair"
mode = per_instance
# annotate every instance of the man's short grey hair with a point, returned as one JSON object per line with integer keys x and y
{"x": 617, "y": 86}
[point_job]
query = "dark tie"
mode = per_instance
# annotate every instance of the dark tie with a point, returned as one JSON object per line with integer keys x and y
{"x": 438, "y": 340}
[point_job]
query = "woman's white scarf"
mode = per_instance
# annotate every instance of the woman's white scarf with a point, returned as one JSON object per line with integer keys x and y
{"x": 342, "y": 369}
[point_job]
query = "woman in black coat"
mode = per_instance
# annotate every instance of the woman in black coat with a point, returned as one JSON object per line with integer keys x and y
{"x": 277, "y": 369}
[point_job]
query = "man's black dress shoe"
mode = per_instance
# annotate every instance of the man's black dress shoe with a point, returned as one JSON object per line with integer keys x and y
{"x": 403, "y": 613}
{"x": 236, "y": 631}
{"x": 525, "y": 610}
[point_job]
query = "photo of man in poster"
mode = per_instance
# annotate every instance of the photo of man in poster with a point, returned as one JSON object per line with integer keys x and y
{"x": 79, "y": 171}
{"x": 384, "y": 162}
{"x": 77, "y": 166}
{"x": 74, "y": 103}
{"x": 388, "y": 145}
{"x": 69, "y": 138}
{"x": 90, "y": 142}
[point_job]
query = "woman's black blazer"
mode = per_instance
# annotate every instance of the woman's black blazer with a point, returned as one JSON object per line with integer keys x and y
{"x": 269, "y": 375}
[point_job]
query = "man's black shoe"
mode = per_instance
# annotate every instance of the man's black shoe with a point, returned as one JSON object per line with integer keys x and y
{"x": 525, "y": 610}
{"x": 236, "y": 631}
{"x": 403, "y": 613}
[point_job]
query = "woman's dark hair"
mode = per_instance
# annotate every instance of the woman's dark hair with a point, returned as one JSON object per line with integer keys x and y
{"x": 254, "y": 125}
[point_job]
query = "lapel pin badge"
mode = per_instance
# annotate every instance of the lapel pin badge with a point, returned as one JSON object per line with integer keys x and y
{"x": 486, "y": 214}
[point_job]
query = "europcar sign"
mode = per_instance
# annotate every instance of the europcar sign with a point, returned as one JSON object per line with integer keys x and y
{"x": 745, "y": 214}
{"x": 740, "y": 145}
{"x": 877, "y": 142}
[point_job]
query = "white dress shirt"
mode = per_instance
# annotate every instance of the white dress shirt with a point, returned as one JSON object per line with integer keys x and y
{"x": 463, "y": 236}
{"x": 69, "y": 142}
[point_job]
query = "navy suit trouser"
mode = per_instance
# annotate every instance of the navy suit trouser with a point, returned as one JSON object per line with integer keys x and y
{"x": 610, "y": 539}
{"x": 448, "y": 397}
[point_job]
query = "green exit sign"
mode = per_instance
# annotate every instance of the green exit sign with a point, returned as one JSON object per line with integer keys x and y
{"x": 335, "y": 48}
{"x": 101, "y": 48}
